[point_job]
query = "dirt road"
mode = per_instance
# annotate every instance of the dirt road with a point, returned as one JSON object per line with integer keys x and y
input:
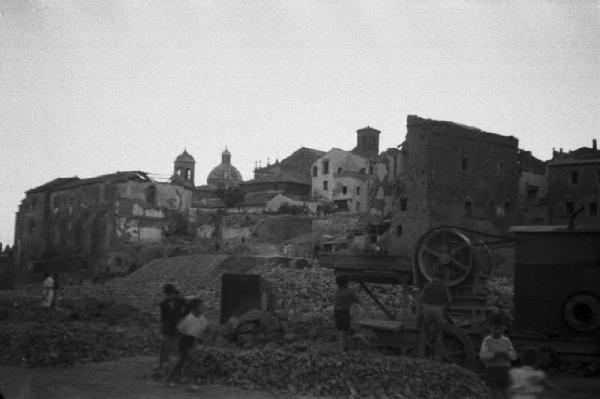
{"x": 128, "y": 378}
{"x": 125, "y": 378}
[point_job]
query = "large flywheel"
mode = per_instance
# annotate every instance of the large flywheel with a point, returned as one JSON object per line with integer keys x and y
{"x": 445, "y": 253}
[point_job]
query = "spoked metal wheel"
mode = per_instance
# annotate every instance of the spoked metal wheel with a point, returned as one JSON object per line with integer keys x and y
{"x": 456, "y": 347}
{"x": 446, "y": 254}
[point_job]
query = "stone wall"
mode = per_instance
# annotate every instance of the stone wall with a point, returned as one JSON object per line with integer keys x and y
{"x": 566, "y": 195}
{"x": 451, "y": 175}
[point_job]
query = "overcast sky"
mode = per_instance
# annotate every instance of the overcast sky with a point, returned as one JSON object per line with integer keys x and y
{"x": 92, "y": 87}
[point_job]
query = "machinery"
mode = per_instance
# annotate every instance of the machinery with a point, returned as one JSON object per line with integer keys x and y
{"x": 556, "y": 296}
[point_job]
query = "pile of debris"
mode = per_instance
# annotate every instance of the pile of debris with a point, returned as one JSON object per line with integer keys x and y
{"x": 83, "y": 330}
{"x": 321, "y": 371}
{"x": 18, "y": 309}
{"x": 35, "y": 344}
{"x": 257, "y": 329}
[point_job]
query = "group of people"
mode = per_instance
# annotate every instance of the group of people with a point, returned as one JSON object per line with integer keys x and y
{"x": 497, "y": 352}
{"x": 182, "y": 323}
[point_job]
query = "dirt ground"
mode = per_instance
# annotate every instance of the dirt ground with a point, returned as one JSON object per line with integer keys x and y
{"x": 128, "y": 378}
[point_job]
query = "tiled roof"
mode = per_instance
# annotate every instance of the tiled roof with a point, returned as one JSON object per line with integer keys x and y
{"x": 53, "y": 184}
{"x": 71, "y": 182}
{"x": 282, "y": 176}
{"x": 111, "y": 177}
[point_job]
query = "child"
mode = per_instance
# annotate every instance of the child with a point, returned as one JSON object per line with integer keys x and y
{"x": 48, "y": 293}
{"x": 190, "y": 328}
{"x": 172, "y": 310}
{"x": 343, "y": 300}
{"x": 496, "y": 353}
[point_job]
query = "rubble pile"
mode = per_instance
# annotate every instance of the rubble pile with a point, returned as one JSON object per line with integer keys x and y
{"x": 501, "y": 292}
{"x": 37, "y": 344}
{"x": 257, "y": 329}
{"x": 299, "y": 287}
{"x": 23, "y": 309}
{"x": 143, "y": 288}
{"x": 81, "y": 330}
{"x": 321, "y": 371}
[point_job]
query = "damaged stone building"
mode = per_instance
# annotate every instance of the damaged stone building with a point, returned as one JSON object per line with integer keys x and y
{"x": 96, "y": 225}
{"x": 353, "y": 180}
{"x": 533, "y": 187}
{"x": 451, "y": 174}
{"x": 574, "y": 186}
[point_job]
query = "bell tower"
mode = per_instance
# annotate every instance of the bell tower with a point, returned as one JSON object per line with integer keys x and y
{"x": 184, "y": 168}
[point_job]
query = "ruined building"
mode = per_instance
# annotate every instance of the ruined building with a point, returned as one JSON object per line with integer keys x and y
{"x": 95, "y": 225}
{"x": 574, "y": 185}
{"x": 291, "y": 176}
{"x": 533, "y": 187}
{"x": 448, "y": 173}
{"x": 351, "y": 179}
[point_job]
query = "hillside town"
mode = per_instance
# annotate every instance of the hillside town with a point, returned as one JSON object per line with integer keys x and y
{"x": 418, "y": 250}
{"x": 299, "y": 199}
{"x": 441, "y": 173}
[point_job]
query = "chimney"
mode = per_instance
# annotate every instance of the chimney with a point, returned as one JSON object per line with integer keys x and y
{"x": 595, "y": 144}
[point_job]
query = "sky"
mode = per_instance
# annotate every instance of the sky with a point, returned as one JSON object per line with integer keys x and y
{"x": 93, "y": 87}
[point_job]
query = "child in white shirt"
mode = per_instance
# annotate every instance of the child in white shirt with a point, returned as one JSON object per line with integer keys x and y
{"x": 497, "y": 353}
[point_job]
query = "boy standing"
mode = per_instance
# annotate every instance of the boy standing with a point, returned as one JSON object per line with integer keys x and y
{"x": 172, "y": 310}
{"x": 343, "y": 300}
{"x": 190, "y": 328}
{"x": 497, "y": 353}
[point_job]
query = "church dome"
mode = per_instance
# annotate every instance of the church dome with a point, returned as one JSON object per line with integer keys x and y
{"x": 224, "y": 175}
{"x": 185, "y": 157}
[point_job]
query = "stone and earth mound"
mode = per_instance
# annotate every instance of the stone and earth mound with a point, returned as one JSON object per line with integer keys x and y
{"x": 291, "y": 349}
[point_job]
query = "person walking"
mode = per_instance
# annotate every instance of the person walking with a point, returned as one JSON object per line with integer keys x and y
{"x": 172, "y": 310}
{"x": 192, "y": 326}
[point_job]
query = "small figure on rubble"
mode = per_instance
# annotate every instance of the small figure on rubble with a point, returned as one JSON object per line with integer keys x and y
{"x": 48, "y": 291}
{"x": 433, "y": 304}
{"x": 344, "y": 298}
{"x": 172, "y": 310}
{"x": 56, "y": 296}
{"x": 497, "y": 353}
{"x": 190, "y": 328}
